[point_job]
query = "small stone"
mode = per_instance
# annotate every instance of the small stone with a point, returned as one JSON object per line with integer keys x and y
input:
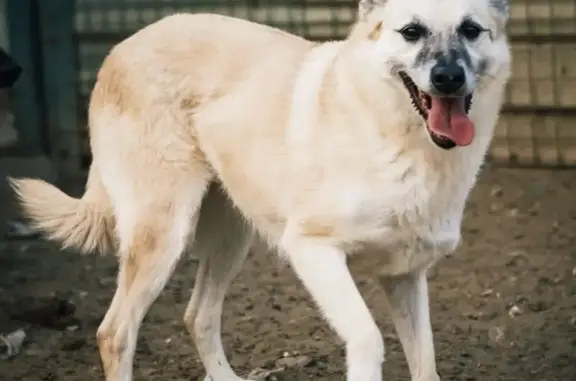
{"x": 514, "y": 311}
{"x": 293, "y": 362}
{"x": 513, "y": 212}
{"x": 496, "y": 334}
{"x": 12, "y": 343}
{"x": 496, "y": 191}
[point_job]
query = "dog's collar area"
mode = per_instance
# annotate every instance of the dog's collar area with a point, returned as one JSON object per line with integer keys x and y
{"x": 422, "y": 103}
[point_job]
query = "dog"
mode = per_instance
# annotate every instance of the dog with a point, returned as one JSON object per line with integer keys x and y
{"x": 208, "y": 130}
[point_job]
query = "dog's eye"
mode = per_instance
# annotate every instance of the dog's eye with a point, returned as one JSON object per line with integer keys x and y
{"x": 470, "y": 30}
{"x": 413, "y": 32}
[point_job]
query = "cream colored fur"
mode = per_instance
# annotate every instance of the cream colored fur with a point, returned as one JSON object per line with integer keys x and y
{"x": 312, "y": 148}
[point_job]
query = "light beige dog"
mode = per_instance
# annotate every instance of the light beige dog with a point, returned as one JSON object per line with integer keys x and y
{"x": 208, "y": 129}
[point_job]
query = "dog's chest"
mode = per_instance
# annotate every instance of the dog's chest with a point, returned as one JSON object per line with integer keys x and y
{"x": 411, "y": 243}
{"x": 406, "y": 225}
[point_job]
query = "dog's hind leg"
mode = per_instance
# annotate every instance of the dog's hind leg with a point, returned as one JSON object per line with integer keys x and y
{"x": 222, "y": 241}
{"x": 148, "y": 254}
{"x": 408, "y": 303}
{"x": 157, "y": 205}
{"x": 151, "y": 244}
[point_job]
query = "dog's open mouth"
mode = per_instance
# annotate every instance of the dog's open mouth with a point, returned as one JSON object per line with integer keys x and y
{"x": 446, "y": 118}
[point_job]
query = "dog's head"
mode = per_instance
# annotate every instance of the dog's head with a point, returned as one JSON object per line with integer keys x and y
{"x": 443, "y": 52}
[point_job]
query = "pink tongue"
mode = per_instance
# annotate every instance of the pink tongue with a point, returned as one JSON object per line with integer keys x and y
{"x": 447, "y": 117}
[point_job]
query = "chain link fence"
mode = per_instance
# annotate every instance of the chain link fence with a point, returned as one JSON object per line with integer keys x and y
{"x": 538, "y": 125}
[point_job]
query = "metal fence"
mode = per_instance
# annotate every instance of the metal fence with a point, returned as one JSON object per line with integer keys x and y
{"x": 538, "y": 125}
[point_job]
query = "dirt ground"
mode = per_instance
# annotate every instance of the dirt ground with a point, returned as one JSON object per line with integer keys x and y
{"x": 503, "y": 308}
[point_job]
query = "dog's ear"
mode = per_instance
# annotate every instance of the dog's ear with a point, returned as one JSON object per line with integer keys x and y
{"x": 9, "y": 70}
{"x": 501, "y": 6}
{"x": 501, "y": 12}
{"x": 365, "y": 7}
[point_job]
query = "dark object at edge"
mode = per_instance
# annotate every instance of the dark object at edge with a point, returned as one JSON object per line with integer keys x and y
{"x": 9, "y": 70}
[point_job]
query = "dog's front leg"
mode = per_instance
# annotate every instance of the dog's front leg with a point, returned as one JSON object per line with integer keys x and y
{"x": 323, "y": 270}
{"x": 408, "y": 303}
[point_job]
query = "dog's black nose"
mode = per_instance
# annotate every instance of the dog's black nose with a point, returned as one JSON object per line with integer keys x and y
{"x": 448, "y": 78}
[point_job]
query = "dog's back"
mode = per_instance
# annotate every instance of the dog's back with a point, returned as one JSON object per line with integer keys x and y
{"x": 177, "y": 76}
{"x": 194, "y": 57}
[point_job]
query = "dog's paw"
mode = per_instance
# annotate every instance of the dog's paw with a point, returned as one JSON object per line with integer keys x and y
{"x": 433, "y": 377}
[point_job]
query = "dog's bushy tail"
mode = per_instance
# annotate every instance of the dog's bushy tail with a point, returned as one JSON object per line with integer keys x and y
{"x": 86, "y": 224}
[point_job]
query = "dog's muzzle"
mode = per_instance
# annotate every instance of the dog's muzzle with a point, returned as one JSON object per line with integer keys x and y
{"x": 445, "y": 106}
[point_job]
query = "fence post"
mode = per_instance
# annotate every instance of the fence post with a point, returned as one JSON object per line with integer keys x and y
{"x": 59, "y": 61}
{"x": 23, "y": 35}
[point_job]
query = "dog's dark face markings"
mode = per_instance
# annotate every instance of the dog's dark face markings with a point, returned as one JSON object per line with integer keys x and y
{"x": 452, "y": 47}
{"x": 443, "y": 47}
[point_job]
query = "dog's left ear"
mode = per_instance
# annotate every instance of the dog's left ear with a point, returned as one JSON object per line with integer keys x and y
{"x": 365, "y": 7}
{"x": 501, "y": 12}
{"x": 502, "y": 8}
